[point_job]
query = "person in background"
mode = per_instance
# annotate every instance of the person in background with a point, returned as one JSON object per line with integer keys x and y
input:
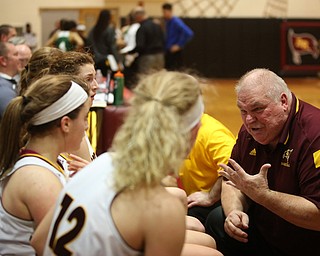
{"x": 129, "y": 32}
{"x": 198, "y": 174}
{"x": 177, "y": 35}
{"x": 66, "y": 38}
{"x": 30, "y": 38}
{"x": 270, "y": 196}
{"x": 53, "y": 113}
{"x": 129, "y": 37}
{"x": 9, "y": 67}
{"x": 169, "y": 107}
{"x": 6, "y": 32}
{"x": 24, "y": 55}
{"x": 102, "y": 42}
{"x": 149, "y": 43}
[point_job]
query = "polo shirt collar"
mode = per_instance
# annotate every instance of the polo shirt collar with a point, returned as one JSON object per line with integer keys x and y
{"x": 5, "y": 76}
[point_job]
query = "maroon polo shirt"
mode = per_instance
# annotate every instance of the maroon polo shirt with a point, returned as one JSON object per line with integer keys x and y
{"x": 293, "y": 171}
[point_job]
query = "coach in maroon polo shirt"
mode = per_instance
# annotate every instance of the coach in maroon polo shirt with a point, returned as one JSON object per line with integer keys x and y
{"x": 271, "y": 193}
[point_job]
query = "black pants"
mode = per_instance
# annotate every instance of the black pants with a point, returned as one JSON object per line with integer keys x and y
{"x": 201, "y": 213}
{"x": 256, "y": 246}
{"x": 173, "y": 60}
{"x": 131, "y": 75}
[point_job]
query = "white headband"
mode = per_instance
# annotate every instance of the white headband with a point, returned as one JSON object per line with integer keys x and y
{"x": 73, "y": 98}
{"x": 193, "y": 116}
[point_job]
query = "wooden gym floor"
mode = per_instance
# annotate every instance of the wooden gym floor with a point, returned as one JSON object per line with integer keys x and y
{"x": 220, "y": 100}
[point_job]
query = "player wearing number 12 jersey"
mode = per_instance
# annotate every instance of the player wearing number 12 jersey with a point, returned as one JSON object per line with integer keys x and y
{"x": 83, "y": 227}
{"x": 117, "y": 205}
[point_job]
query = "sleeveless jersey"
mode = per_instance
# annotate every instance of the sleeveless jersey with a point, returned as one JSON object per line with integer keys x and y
{"x": 63, "y": 41}
{"x": 82, "y": 222}
{"x": 90, "y": 148}
{"x": 15, "y": 233}
{"x": 63, "y": 158}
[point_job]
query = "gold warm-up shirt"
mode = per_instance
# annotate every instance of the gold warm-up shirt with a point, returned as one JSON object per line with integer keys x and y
{"x": 213, "y": 145}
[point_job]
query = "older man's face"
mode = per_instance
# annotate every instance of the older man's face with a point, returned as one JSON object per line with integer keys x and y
{"x": 264, "y": 118}
{"x": 24, "y": 55}
{"x": 11, "y": 60}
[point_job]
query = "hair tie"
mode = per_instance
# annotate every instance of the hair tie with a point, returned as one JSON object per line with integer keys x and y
{"x": 156, "y": 99}
{"x": 25, "y": 100}
{"x": 148, "y": 98}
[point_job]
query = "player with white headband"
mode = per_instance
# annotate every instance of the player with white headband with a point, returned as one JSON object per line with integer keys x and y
{"x": 74, "y": 98}
{"x": 52, "y": 115}
{"x": 80, "y": 64}
{"x": 128, "y": 211}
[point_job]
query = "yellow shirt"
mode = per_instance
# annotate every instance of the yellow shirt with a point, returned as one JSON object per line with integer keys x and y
{"x": 213, "y": 145}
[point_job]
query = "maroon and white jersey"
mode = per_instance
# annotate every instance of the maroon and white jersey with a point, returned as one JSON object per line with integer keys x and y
{"x": 82, "y": 222}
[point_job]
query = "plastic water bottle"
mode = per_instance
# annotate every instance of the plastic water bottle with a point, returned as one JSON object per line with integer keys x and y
{"x": 99, "y": 79}
{"x": 99, "y": 76}
{"x": 118, "y": 88}
{"x": 110, "y": 96}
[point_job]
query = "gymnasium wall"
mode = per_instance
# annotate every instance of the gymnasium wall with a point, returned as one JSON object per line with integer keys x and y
{"x": 231, "y": 36}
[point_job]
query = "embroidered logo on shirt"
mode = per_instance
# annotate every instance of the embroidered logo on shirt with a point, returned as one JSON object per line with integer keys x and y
{"x": 253, "y": 152}
{"x": 285, "y": 157}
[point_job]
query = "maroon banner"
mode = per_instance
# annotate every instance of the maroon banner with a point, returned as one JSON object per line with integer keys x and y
{"x": 300, "y": 46}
